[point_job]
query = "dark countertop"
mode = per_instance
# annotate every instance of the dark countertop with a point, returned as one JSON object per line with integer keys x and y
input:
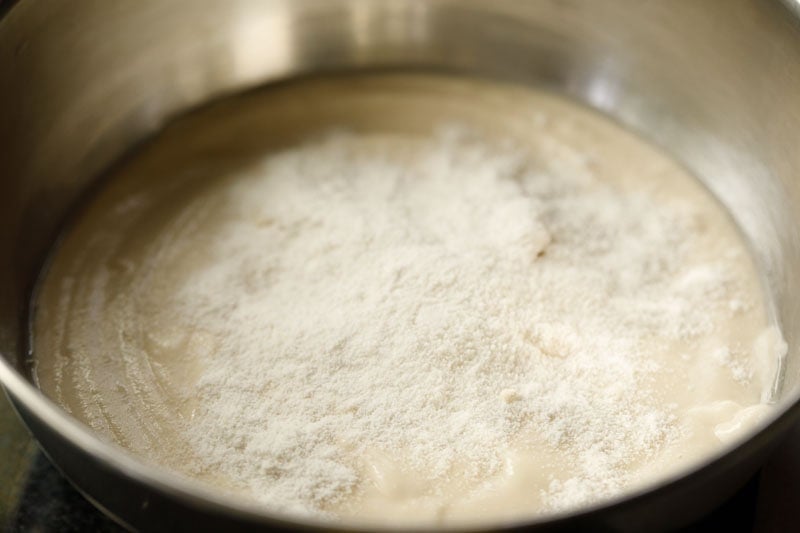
{"x": 35, "y": 497}
{"x": 17, "y": 451}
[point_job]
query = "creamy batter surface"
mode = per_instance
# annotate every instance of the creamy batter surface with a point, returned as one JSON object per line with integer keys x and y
{"x": 407, "y": 299}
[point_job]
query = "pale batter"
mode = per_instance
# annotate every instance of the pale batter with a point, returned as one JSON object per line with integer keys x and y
{"x": 407, "y": 299}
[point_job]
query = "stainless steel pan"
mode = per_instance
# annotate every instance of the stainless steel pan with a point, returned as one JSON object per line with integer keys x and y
{"x": 715, "y": 82}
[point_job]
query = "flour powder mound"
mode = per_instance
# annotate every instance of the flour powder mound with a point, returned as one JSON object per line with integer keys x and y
{"x": 438, "y": 302}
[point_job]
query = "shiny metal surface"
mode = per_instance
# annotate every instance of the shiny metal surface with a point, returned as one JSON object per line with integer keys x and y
{"x": 716, "y": 83}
